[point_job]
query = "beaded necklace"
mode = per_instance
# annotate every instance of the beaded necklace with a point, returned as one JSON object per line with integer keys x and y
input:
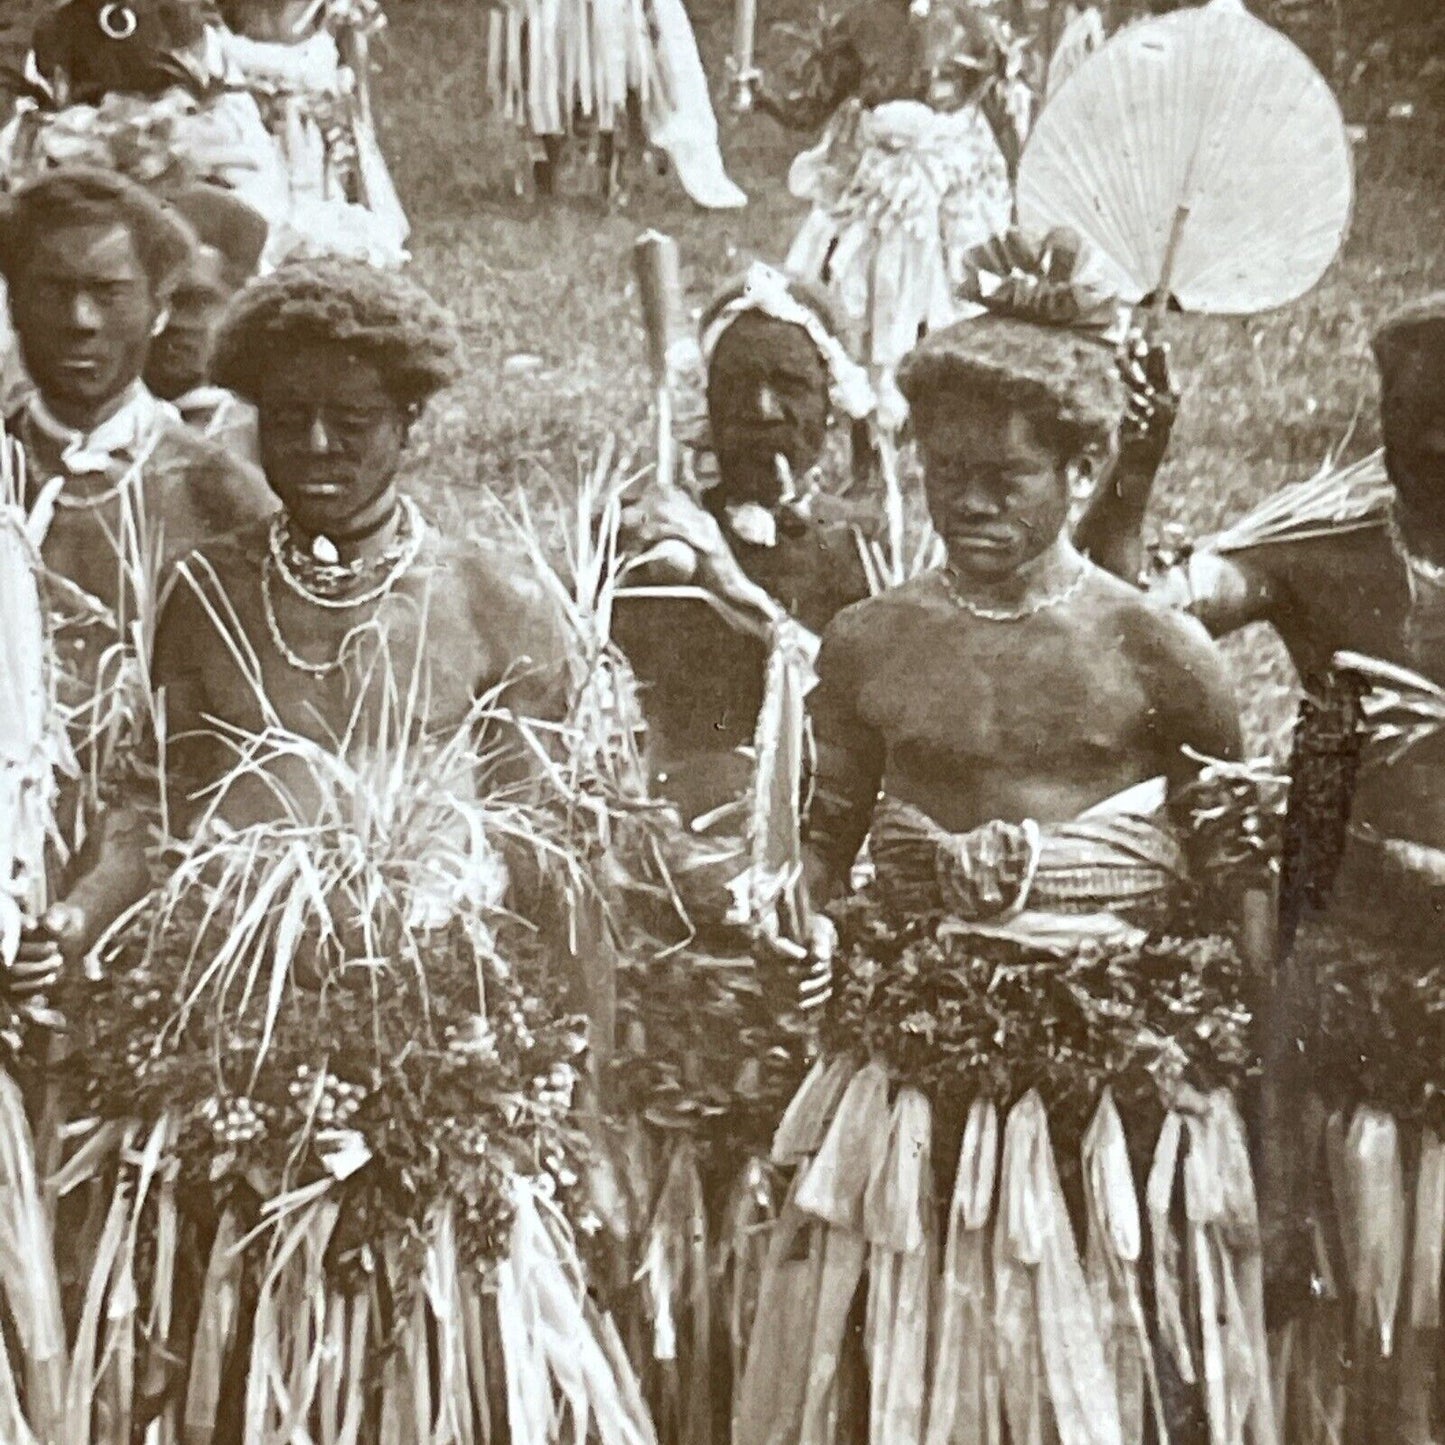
{"x": 1057, "y": 598}
{"x": 285, "y": 559}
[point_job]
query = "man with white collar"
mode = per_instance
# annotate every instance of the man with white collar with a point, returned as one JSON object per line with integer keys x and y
{"x": 89, "y": 259}
{"x": 232, "y": 238}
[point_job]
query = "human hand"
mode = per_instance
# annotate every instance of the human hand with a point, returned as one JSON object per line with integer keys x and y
{"x": 45, "y": 948}
{"x": 1152, "y": 407}
{"x": 810, "y": 964}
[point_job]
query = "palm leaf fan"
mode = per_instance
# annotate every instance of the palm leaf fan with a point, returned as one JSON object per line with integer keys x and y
{"x": 1082, "y": 35}
{"x": 1203, "y": 156}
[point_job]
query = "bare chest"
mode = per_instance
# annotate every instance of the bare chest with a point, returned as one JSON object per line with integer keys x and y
{"x": 952, "y": 694}
{"x": 414, "y": 656}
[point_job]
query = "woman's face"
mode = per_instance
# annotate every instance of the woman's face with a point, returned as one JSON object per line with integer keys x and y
{"x": 331, "y": 439}
{"x": 997, "y": 493}
{"x": 767, "y": 397}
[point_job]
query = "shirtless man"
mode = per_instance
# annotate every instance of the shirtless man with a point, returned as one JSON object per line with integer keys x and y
{"x": 339, "y": 358}
{"x": 232, "y": 239}
{"x": 775, "y": 372}
{"x": 90, "y": 261}
{"x": 1007, "y": 730}
{"x": 932, "y": 692}
{"x": 1365, "y": 849}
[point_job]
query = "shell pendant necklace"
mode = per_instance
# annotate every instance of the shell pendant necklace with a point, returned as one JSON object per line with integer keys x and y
{"x": 317, "y": 576}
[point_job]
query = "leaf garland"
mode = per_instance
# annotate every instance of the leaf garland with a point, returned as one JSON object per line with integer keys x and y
{"x": 993, "y": 1018}
{"x": 401, "y": 1094}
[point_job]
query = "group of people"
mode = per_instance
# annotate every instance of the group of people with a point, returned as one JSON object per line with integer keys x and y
{"x": 267, "y": 98}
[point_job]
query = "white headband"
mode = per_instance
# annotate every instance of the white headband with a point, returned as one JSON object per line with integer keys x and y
{"x": 766, "y": 290}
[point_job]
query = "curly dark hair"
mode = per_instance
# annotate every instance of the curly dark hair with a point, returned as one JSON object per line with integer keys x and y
{"x": 1065, "y": 382}
{"x": 378, "y": 314}
{"x": 88, "y": 196}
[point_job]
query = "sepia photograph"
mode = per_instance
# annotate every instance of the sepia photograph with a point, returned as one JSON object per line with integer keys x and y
{"x": 722, "y": 722}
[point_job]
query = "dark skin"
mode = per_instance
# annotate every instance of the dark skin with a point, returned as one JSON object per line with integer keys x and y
{"x": 1326, "y": 595}
{"x": 84, "y": 308}
{"x": 468, "y": 619}
{"x": 973, "y": 720}
{"x": 767, "y": 398}
{"x": 179, "y": 359}
{"x": 151, "y": 46}
{"x": 331, "y": 442}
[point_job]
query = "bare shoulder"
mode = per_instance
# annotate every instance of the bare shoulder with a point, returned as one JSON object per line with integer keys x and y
{"x": 494, "y": 573}
{"x": 230, "y": 562}
{"x": 1183, "y": 675}
{"x": 508, "y": 596}
{"x": 221, "y": 487}
{"x": 1150, "y": 628}
{"x": 873, "y": 618}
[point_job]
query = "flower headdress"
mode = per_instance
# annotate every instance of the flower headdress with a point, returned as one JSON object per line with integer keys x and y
{"x": 768, "y": 290}
{"x": 1044, "y": 282}
{"x": 1046, "y": 339}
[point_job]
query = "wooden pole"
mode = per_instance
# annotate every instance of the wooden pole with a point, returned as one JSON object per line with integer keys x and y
{"x": 659, "y": 286}
{"x": 1166, "y": 270}
{"x": 745, "y": 21}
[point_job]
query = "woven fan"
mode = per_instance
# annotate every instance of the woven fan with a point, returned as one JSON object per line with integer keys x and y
{"x": 1203, "y": 156}
{"x": 1082, "y": 36}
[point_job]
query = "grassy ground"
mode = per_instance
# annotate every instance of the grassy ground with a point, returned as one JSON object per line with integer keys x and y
{"x": 1265, "y": 398}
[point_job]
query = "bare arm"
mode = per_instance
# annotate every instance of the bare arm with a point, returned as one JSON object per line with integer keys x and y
{"x": 1193, "y": 705}
{"x": 1111, "y": 531}
{"x": 848, "y": 758}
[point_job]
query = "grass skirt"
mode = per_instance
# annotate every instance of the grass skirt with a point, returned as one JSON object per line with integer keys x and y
{"x": 983, "y": 1109}
{"x": 899, "y": 193}
{"x": 365, "y": 1223}
{"x": 551, "y": 62}
{"x": 706, "y": 1060}
{"x": 1369, "y": 1195}
{"x": 343, "y": 200}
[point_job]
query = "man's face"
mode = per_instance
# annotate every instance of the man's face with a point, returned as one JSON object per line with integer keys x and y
{"x": 180, "y": 357}
{"x": 84, "y": 310}
{"x": 767, "y": 397}
{"x": 331, "y": 437}
{"x": 997, "y": 494}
